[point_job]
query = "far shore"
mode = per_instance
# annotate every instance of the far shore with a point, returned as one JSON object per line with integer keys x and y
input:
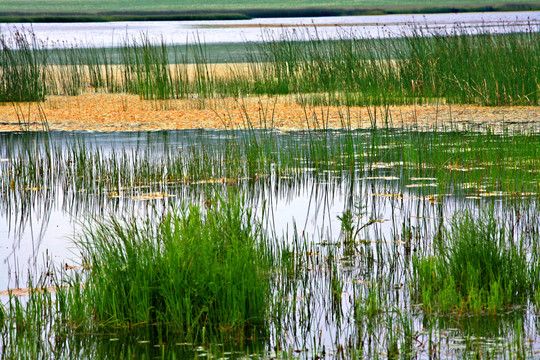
{"x": 244, "y": 14}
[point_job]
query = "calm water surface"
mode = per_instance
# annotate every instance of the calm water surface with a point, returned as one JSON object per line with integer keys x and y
{"x": 38, "y": 227}
{"x": 256, "y": 30}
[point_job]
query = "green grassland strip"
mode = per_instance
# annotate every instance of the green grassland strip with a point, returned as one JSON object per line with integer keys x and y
{"x": 178, "y": 13}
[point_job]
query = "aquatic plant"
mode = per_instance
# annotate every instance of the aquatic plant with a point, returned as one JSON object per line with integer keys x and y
{"x": 454, "y": 67}
{"x": 356, "y": 281}
{"x": 202, "y": 273}
{"x": 478, "y": 266}
{"x": 22, "y": 69}
{"x": 2, "y": 314}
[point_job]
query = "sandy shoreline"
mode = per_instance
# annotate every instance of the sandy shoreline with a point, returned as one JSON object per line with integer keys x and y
{"x": 124, "y": 112}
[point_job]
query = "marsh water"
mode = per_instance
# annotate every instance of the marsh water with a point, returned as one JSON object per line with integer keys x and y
{"x": 399, "y": 211}
{"x": 109, "y": 34}
{"x": 354, "y": 208}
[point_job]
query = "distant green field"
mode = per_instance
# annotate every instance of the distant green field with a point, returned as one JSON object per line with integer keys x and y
{"x": 134, "y": 5}
{"x": 104, "y": 10}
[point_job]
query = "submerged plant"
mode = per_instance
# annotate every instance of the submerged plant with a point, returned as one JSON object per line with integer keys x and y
{"x": 200, "y": 273}
{"x": 478, "y": 267}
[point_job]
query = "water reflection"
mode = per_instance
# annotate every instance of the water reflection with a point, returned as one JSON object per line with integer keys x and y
{"x": 350, "y": 295}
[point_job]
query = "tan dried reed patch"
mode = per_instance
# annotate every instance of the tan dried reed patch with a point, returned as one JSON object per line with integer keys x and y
{"x": 126, "y": 112}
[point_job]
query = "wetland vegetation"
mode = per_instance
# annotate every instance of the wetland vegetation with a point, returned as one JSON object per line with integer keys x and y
{"x": 406, "y": 261}
{"x": 258, "y": 243}
{"x": 456, "y": 67}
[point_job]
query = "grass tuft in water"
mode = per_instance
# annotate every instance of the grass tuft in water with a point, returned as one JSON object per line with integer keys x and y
{"x": 477, "y": 267}
{"x": 200, "y": 273}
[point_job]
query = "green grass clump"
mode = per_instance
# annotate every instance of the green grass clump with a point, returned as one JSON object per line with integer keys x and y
{"x": 22, "y": 70}
{"x": 477, "y": 267}
{"x": 147, "y": 70}
{"x": 199, "y": 273}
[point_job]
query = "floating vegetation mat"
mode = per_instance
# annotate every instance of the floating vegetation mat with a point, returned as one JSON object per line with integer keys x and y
{"x": 234, "y": 244}
{"x": 122, "y": 112}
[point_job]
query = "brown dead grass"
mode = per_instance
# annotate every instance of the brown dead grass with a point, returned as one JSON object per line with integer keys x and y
{"x": 28, "y": 291}
{"x": 124, "y": 112}
{"x": 217, "y": 71}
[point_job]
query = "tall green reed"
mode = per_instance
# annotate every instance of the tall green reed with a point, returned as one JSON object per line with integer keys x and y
{"x": 479, "y": 165}
{"x": 478, "y": 266}
{"x": 465, "y": 68}
{"x": 458, "y": 66}
{"x": 147, "y": 69}
{"x": 453, "y": 67}
{"x": 22, "y": 68}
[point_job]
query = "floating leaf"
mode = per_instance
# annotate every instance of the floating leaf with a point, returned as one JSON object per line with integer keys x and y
{"x": 380, "y": 178}
{"x": 423, "y": 179}
{"x": 37, "y": 188}
{"x": 151, "y": 196}
{"x": 495, "y": 193}
{"x": 420, "y": 185}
